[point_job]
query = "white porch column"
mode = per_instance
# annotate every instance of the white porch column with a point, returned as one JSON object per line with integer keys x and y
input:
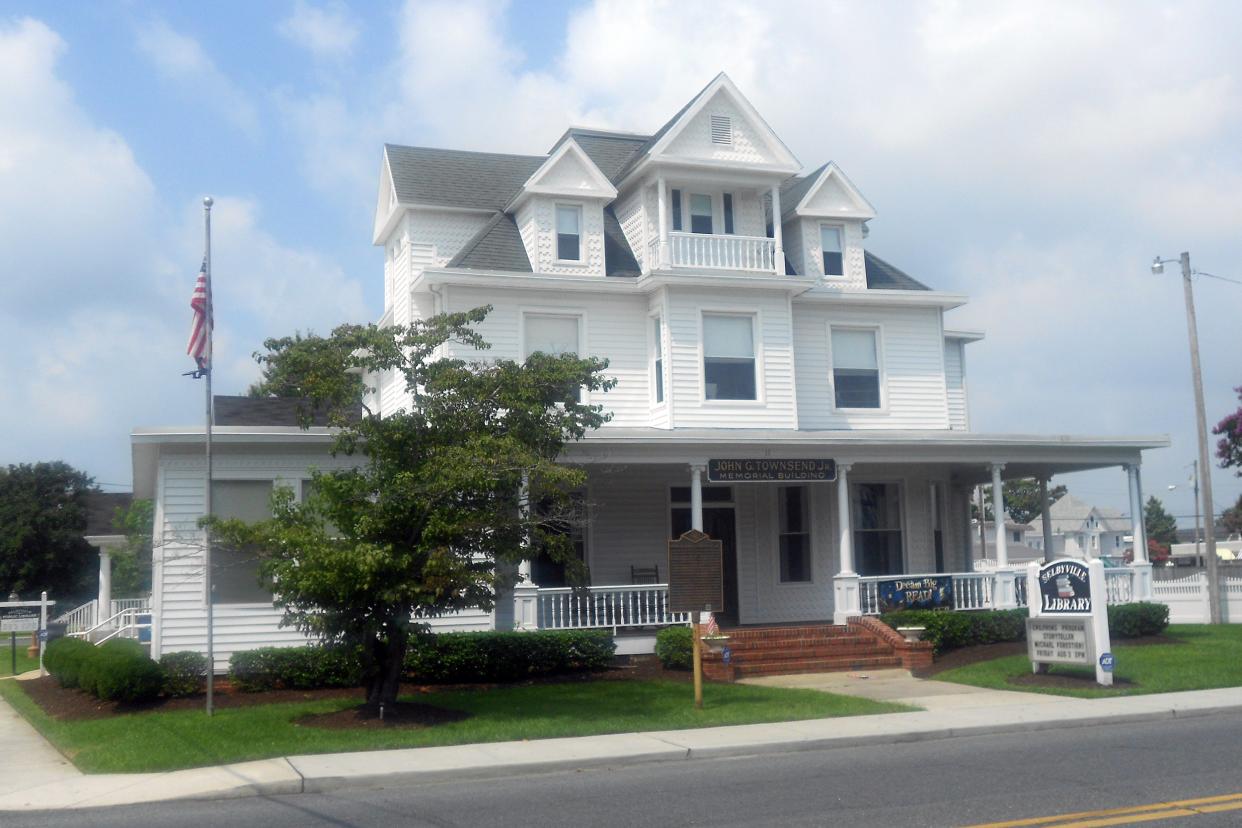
{"x": 662, "y": 201}
{"x": 696, "y": 496}
{"x": 525, "y": 591}
{"x": 847, "y": 595}
{"x": 105, "y": 584}
{"x": 1140, "y": 565}
{"x": 777, "y": 240}
{"x": 1004, "y": 594}
{"x": 1045, "y": 518}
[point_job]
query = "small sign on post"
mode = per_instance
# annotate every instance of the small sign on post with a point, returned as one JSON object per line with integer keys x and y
{"x": 695, "y": 585}
{"x": 1067, "y": 619}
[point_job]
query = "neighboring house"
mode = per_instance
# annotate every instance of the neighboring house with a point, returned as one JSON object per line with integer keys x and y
{"x": 1019, "y": 551}
{"x": 1081, "y": 530}
{"x": 744, "y": 320}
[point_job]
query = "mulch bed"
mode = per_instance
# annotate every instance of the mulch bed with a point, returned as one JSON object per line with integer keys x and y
{"x": 76, "y": 705}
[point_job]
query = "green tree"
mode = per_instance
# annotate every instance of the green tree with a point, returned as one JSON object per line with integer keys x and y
{"x": 1021, "y": 499}
{"x": 131, "y": 566}
{"x": 1229, "y": 448}
{"x": 434, "y": 517}
{"x": 1231, "y": 519}
{"x": 42, "y": 520}
{"x": 1160, "y": 525}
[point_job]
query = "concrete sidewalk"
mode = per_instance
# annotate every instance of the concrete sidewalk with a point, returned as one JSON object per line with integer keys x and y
{"x": 50, "y": 783}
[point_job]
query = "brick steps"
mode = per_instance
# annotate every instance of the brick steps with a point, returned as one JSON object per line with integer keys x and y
{"x": 863, "y": 644}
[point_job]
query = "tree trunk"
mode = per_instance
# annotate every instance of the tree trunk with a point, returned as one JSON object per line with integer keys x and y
{"x": 389, "y": 662}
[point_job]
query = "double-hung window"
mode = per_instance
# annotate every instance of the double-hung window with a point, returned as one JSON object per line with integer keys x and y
{"x": 855, "y": 368}
{"x": 795, "y": 538}
{"x": 729, "y": 356}
{"x": 235, "y": 576}
{"x": 830, "y": 243}
{"x": 658, "y": 358}
{"x": 552, "y": 334}
{"x": 700, "y": 213}
{"x": 568, "y": 233}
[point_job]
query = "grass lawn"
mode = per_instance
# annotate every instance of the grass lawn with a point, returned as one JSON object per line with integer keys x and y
{"x": 179, "y": 739}
{"x": 23, "y": 662}
{"x": 1207, "y": 657}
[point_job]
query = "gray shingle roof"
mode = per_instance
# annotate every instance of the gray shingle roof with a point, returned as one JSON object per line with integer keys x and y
{"x": 883, "y": 276}
{"x": 618, "y": 258}
{"x": 793, "y": 189}
{"x": 456, "y": 178}
{"x": 100, "y": 508}
{"x": 610, "y": 151}
{"x": 659, "y": 133}
{"x": 260, "y": 411}
{"x": 498, "y": 246}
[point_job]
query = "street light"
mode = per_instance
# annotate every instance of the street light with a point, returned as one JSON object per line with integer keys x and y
{"x": 1213, "y": 575}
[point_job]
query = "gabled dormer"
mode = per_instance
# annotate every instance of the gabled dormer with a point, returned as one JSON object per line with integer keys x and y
{"x": 823, "y": 215}
{"x": 559, "y": 213}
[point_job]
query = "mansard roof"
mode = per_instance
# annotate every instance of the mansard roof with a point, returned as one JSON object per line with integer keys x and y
{"x": 458, "y": 178}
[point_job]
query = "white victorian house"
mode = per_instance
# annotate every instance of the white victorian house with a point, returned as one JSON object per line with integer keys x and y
{"x": 743, "y": 318}
{"x": 1081, "y": 530}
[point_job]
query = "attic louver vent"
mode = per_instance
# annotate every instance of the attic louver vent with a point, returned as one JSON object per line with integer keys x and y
{"x": 722, "y": 129}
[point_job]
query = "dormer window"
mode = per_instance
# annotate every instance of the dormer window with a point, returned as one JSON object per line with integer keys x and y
{"x": 568, "y": 233}
{"x": 722, "y": 129}
{"x": 700, "y": 213}
{"x": 830, "y": 243}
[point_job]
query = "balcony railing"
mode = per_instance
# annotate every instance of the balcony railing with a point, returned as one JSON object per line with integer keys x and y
{"x": 718, "y": 252}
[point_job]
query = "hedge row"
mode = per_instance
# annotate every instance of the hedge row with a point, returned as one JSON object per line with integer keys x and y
{"x": 120, "y": 670}
{"x": 451, "y": 658}
{"x": 948, "y": 630}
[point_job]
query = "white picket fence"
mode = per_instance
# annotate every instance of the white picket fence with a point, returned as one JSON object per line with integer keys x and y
{"x": 1187, "y": 598}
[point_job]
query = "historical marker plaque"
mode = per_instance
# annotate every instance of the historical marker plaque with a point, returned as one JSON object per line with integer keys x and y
{"x": 769, "y": 470}
{"x": 695, "y": 573}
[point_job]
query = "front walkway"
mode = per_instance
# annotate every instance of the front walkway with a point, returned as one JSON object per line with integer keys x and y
{"x": 28, "y": 761}
{"x": 899, "y": 686}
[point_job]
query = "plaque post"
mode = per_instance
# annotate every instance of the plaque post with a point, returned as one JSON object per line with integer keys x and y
{"x": 697, "y": 649}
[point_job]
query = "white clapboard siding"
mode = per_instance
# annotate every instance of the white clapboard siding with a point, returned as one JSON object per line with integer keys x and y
{"x": 179, "y": 588}
{"x": 955, "y": 383}
{"x": 616, "y": 329}
{"x": 774, "y": 355}
{"x": 630, "y": 519}
{"x": 913, "y": 367}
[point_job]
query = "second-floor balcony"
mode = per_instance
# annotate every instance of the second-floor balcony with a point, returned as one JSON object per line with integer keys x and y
{"x": 715, "y": 252}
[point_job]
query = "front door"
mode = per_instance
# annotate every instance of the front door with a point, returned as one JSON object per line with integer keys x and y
{"x": 719, "y": 524}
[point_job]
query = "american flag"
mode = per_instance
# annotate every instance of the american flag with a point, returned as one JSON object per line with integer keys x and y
{"x": 200, "y": 330}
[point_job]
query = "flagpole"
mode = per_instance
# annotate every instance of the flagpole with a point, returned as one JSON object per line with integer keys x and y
{"x": 210, "y": 366}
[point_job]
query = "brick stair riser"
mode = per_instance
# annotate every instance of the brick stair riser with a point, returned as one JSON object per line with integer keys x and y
{"x": 826, "y": 666}
{"x": 801, "y": 643}
{"x": 786, "y": 655}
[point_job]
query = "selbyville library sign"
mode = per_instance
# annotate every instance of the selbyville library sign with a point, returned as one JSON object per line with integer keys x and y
{"x": 771, "y": 471}
{"x": 1067, "y": 619}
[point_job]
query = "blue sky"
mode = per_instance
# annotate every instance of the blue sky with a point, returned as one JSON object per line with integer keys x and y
{"x": 1034, "y": 156}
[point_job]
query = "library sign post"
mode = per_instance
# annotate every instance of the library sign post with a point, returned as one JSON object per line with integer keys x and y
{"x": 1067, "y": 619}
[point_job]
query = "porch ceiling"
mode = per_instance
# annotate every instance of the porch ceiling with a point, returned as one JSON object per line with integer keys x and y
{"x": 967, "y": 456}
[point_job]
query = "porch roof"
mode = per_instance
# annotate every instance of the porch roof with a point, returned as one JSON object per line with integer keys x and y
{"x": 968, "y": 455}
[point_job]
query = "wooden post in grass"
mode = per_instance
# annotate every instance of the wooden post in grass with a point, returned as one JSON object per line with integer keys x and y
{"x": 696, "y": 643}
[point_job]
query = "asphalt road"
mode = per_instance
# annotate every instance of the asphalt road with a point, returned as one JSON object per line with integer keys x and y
{"x": 954, "y": 782}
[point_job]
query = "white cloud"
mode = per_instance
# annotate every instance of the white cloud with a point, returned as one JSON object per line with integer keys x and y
{"x": 327, "y": 31}
{"x": 182, "y": 60}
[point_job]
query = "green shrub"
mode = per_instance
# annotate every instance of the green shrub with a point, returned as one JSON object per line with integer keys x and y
{"x": 675, "y": 648}
{"x": 507, "y": 656}
{"x": 1137, "y": 619}
{"x": 120, "y": 670}
{"x": 64, "y": 658}
{"x": 185, "y": 672}
{"x": 297, "y": 668}
{"x": 949, "y": 630}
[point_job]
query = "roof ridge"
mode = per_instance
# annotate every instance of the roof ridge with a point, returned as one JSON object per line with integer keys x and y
{"x": 465, "y": 152}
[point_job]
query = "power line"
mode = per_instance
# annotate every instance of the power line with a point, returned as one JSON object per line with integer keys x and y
{"x": 1222, "y": 278}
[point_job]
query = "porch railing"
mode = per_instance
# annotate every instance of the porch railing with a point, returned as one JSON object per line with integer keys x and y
{"x": 717, "y": 251}
{"x": 606, "y": 607}
{"x": 1119, "y": 584}
{"x": 79, "y": 618}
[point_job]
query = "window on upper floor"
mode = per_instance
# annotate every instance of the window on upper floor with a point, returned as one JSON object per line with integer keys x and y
{"x": 794, "y": 534}
{"x": 830, "y": 243}
{"x": 727, "y": 200}
{"x": 657, "y": 351}
{"x": 855, "y": 368}
{"x": 700, "y": 213}
{"x": 675, "y": 199}
{"x": 552, "y": 334}
{"x": 1017, "y": 537}
{"x": 728, "y": 356}
{"x": 568, "y": 232}
{"x": 235, "y": 577}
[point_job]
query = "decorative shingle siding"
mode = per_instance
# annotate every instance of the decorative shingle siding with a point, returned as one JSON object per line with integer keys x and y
{"x": 629, "y": 212}
{"x": 446, "y": 232}
{"x": 913, "y": 367}
{"x": 695, "y": 139}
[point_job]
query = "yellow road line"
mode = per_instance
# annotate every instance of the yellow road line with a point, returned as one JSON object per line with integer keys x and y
{"x": 1135, "y": 813}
